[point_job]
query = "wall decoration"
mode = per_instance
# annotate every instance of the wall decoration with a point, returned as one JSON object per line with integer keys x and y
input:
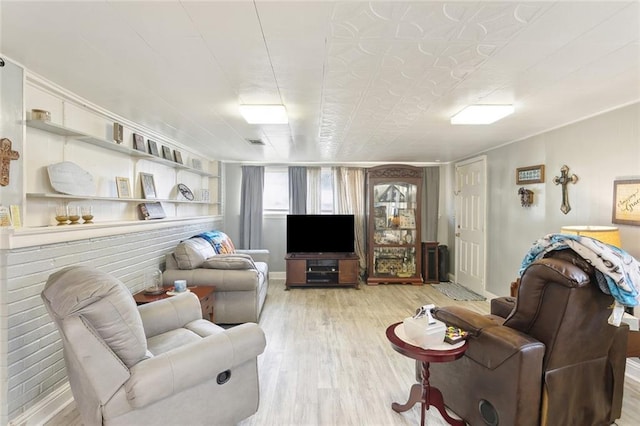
{"x": 69, "y": 178}
{"x": 6, "y": 155}
{"x": 148, "y": 186}
{"x": 531, "y": 174}
{"x": 526, "y": 197}
{"x": 185, "y": 191}
{"x": 118, "y": 132}
{"x": 123, "y": 187}
{"x": 626, "y": 202}
{"x": 564, "y": 179}
{"x": 138, "y": 142}
{"x": 153, "y": 148}
{"x": 166, "y": 153}
{"x": 177, "y": 156}
{"x": 196, "y": 164}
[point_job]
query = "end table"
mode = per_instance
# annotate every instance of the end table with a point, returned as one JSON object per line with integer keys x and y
{"x": 424, "y": 393}
{"x": 206, "y": 294}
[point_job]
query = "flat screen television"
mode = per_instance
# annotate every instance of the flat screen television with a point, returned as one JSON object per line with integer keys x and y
{"x": 320, "y": 233}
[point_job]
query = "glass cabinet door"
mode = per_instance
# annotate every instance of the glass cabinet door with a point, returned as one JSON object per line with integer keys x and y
{"x": 394, "y": 230}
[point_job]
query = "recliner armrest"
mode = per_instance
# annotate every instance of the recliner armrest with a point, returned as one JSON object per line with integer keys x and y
{"x": 258, "y": 255}
{"x": 469, "y": 321}
{"x": 172, "y": 372}
{"x": 168, "y": 314}
{"x": 490, "y": 343}
{"x": 502, "y": 306}
{"x": 494, "y": 345}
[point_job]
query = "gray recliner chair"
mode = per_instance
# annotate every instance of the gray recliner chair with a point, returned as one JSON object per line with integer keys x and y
{"x": 159, "y": 363}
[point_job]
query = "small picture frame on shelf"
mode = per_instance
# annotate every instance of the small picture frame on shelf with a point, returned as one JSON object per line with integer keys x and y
{"x": 123, "y": 187}
{"x": 148, "y": 186}
{"x": 407, "y": 218}
{"x": 204, "y": 195}
{"x": 118, "y": 132}
{"x": 166, "y": 153}
{"x": 196, "y": 164}
{"x": 138, "y": 143}
{"x": 177, "y": 156}
{"x": 153, "y": 148}
{"x": 148, "y": 211}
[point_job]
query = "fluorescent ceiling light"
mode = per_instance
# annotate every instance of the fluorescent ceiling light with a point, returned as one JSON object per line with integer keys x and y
{"x": 264, "y": 114}
{"x": 482, "y": 114}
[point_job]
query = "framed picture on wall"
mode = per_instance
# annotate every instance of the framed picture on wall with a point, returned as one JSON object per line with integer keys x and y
{"x": 148, "y": 186}
{"x": 531, "y": 174}
{"x": 626, "y": 202}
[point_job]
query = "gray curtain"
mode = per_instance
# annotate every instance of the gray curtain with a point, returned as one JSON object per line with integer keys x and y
{"x": 251, "y": 207}
{"x": 431, "y": 197}
{"x": 298, "y": 190}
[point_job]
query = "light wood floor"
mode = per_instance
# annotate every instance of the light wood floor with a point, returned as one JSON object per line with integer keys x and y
{"x": 328, "y": 361}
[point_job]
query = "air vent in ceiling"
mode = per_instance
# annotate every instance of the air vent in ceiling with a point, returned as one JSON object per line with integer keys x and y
{"x": 255, "y": 141}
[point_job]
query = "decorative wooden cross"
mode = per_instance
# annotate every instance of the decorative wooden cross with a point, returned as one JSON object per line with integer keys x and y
{"x": 564, "y": 179}
{"x": 6, "y": 155}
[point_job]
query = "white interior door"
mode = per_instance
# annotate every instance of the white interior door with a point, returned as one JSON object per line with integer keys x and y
{"x": 470, "y": 223}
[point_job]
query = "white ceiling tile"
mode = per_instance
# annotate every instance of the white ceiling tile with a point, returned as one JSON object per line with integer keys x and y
{"x": 359, "y": 79}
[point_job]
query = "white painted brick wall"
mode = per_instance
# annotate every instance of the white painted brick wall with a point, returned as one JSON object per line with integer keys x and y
{"x": 35, "y": 364}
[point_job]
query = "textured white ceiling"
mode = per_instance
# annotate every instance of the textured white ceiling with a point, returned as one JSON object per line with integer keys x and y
{"x": 362, "y": 82}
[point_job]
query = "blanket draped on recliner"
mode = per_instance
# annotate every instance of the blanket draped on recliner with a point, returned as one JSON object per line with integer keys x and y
{"x": 617, "y": 272}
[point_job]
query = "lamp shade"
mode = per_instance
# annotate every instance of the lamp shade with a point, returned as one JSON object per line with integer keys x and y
{"x": 606, "y": 234}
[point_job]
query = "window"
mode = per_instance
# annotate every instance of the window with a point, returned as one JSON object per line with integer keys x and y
{"x": 276, "y": 190}
{"x": 326, "y": 190}
{"x": 275, "y": 198}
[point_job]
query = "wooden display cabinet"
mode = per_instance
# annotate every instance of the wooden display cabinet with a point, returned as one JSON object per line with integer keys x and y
{"x": 394, "y": 214}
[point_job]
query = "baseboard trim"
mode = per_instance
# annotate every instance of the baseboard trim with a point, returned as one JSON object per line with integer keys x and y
{"x": 45, "y": 409}
{"x": 278, "y": 275}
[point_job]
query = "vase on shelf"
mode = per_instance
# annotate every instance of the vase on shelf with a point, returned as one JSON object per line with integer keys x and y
{"x": 62, "y": 216}
{"x": 87, "y": 214}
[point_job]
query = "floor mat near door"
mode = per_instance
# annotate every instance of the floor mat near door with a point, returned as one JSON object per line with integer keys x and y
{"x": 456, "y": 291}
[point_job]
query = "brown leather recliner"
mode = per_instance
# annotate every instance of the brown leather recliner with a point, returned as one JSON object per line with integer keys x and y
{"x": 553, "y": 361}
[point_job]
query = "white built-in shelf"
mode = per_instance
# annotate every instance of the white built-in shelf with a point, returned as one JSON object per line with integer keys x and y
{"x": 57, "y": 129}
{"x": 126, "y": 200}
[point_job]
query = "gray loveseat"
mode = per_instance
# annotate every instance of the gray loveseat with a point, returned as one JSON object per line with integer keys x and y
{"x": 241, "y": 277}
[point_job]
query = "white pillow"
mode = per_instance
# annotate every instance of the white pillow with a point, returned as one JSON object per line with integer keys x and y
{"x": 191, "y": 253}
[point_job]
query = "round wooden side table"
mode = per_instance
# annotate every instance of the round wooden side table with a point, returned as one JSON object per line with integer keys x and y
{"x": 423, "y": 392}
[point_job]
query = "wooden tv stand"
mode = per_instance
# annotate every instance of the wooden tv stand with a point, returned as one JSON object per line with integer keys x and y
{"x": 322, "y": 269}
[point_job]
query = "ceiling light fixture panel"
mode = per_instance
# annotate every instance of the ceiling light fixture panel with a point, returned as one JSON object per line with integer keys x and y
{"x": 482, "y": 114}
{"x": 264, "y": 114}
